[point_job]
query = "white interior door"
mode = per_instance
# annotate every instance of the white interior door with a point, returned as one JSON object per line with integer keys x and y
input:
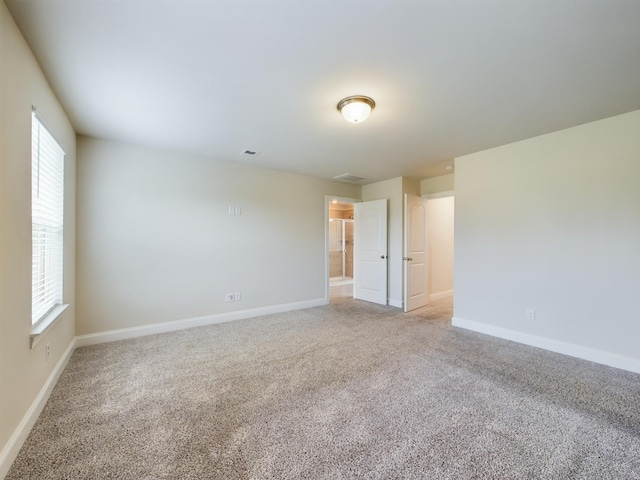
{"x": 416, "y": 292}
{"x": 370, "y": 252}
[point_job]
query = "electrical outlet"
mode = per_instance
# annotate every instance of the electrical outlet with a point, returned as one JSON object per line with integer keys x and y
{"x": 237, "y": 296}
{"x": 230, "y": 297}
{"x": 47, "y": 352}
{"x": 530, "y": 314}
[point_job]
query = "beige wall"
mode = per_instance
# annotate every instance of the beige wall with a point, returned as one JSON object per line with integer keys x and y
{"x": 553, "y": 224}
{"x": 156, "y": 242}
{"x": 444, "y": 183}
{"x": 410, "y": 186}
{"x": 24, "y": 371}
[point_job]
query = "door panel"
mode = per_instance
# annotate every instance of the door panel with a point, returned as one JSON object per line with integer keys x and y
{"x": 415, "y": 253}
{"x": 417, "y": 272}
{"x": 370, "y": 256}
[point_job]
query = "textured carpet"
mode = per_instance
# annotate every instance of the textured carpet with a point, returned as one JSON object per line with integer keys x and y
{"x": 348, "y": 390}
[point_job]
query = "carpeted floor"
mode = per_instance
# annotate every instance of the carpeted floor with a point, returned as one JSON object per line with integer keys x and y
{"x": 348, "y": 390}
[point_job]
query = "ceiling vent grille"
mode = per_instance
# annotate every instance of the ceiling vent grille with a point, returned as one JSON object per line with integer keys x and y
{"x": 347, "y": 177}
{"x": 249, "y": 153}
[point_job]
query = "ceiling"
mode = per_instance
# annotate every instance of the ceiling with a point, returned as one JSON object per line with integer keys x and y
{"x": 449, "y": 77}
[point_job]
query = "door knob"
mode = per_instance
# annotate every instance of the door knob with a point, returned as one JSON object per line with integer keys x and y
{"x": 383, "y": 256}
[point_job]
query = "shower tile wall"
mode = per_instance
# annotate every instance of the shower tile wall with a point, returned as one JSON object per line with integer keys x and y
{"x": 335, "y": 251}
{"x": 335, "y": 257}
{"x": 335, "y": 264}
{"x": 341, "y": 213}
{"x": 348, "y": 234}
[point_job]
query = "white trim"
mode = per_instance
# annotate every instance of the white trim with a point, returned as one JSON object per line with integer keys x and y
{"x": 578, "y": 351}
{"x": 448, "y": 193}
{"x": 143, "y": 330}
{"x": 392, "y": 302}
{"x": 439, "y": 295}
{"x": 49, "y": 320}
{"x": 20, "y": 434}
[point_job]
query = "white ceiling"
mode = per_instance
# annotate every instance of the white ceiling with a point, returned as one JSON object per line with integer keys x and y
{"x": 449, "y": 77}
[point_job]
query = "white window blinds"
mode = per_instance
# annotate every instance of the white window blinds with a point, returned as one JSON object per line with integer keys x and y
{"x": 47, "y": 207}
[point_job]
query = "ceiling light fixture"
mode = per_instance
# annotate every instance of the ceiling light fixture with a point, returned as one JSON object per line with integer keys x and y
{"x": 356, "y": 109}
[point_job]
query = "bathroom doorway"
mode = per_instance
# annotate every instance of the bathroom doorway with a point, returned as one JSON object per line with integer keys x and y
{"x": 340, "y": 247}
{"x": 340, "y": 251}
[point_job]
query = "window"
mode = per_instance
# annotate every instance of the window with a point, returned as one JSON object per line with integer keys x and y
{"x": 47, "y": 207}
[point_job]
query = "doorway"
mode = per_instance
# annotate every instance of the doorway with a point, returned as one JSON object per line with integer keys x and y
{"x": 339, "y": 247}
{"x": 441, "y": 214}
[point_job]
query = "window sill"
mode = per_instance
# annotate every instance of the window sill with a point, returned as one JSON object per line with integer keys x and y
{"x": 46, "y": 323}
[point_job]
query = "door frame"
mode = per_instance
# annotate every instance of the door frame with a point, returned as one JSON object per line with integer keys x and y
{"x": 328, "y": 199}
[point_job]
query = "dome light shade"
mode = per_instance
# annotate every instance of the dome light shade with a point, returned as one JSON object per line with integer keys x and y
{"x": 356, "y": 109}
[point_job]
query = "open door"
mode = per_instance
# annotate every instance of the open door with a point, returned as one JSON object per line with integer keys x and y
{"x": 370, "y": 252}
{"x": 416, "y": 292}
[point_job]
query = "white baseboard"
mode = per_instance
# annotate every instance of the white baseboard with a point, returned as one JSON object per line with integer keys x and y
{"x": 439, "y": 295}
{"x": 392, "y": 302}
{"x": 585, "y": 353}
{"x": 13, "y": 446}
{"x": 151, "y": 329}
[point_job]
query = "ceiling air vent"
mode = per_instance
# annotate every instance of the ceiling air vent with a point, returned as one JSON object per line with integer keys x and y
{"x": 347, "y": 177}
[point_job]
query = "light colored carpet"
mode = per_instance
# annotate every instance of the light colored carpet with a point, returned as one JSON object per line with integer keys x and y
{"x": 348, "y": 390}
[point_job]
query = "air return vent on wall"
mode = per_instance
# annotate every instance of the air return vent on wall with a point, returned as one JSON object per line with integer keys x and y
{"x": 347, "y": 177}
